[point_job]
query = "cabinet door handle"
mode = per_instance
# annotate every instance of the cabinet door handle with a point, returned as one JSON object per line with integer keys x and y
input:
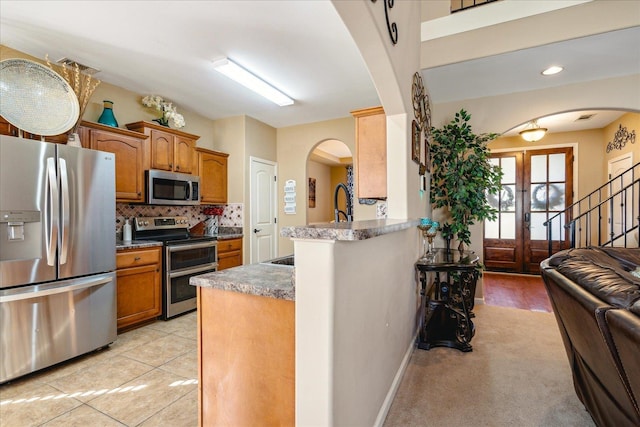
{"x": 178, "y": 167}
{"x": 137, "y": 258}
{"x": 170, "y": 165}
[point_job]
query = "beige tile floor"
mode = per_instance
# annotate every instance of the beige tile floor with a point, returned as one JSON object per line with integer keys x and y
{"x": 148, "y": 377}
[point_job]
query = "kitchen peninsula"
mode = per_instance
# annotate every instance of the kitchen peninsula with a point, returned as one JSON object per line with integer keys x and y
{"x": 289, "y": 354}
{"x": 246, "y": 346}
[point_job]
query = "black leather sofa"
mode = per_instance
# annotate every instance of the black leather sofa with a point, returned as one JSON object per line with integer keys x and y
{"x": 595, "y": 295}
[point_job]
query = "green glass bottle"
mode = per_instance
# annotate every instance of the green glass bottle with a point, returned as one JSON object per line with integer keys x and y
{"x": 107, "y": 117}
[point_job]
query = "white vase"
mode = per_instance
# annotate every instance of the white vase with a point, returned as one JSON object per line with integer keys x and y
{"x": 74, "y": 140}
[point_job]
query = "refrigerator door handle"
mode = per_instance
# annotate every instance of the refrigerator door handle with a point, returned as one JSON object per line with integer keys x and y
{"x": 64, "y": 192}
{"x": 29, "y": 293}
{"x": 51, "y": 211}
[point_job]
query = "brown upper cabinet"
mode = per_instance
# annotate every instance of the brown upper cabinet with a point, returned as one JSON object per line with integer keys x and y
{"x": 212, "y": 169}
{"x": 371, "y": 153}
{"x": 171, "y": 149}
{"x": 132, "y": 159}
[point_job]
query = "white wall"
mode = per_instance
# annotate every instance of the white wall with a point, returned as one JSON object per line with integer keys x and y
{"x": 355, "y": 325}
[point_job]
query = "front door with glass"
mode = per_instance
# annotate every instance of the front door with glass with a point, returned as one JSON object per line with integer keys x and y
{"x": 536, "y": 185}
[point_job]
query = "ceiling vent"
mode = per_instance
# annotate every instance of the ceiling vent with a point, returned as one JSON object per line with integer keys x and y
{"x": 72, "y": 64}
{"x": 584, "y": 117}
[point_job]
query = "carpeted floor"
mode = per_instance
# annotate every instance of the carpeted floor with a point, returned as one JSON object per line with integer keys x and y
{"x": 516, "y": 375}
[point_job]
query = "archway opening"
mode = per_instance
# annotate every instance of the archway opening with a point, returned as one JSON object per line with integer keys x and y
{"x": 329, "y": 163}
{"x": 544, "y": 178}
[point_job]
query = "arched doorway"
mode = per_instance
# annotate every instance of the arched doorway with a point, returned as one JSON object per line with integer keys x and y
{"x": 328, "y": 164}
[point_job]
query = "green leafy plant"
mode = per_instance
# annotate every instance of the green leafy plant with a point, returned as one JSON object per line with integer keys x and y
{"x": 462, "y": 175}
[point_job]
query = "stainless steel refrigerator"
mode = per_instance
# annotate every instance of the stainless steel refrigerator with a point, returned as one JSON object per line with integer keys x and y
{"x": 57, "y": 254}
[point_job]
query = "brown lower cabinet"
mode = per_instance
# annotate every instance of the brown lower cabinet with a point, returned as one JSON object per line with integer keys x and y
{"x": 246, "y": 372}
{"x": 139, "y": 286}
{"x": 229, "y": 253}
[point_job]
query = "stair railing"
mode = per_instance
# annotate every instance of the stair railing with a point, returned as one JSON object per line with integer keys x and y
{"x": 592, "y": 220}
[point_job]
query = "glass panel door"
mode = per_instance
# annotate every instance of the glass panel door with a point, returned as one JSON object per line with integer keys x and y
{"x": 501, "y": 251}
{"x": 536, "y": 185}
{"x": 549, "y": 185}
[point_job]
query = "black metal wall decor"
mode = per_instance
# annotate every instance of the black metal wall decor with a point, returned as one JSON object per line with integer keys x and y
{"x": 621, "y": 137}
{"x": 391, "y": 26}
{"x": 422, "y": 113}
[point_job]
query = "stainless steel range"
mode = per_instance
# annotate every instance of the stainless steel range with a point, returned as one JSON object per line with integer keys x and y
{"x": 184, "y": 256}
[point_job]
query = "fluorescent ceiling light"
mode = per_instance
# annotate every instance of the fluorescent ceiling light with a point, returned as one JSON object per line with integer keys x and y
{"x": 554, "y": 69}
{"x": 245, "y": 78}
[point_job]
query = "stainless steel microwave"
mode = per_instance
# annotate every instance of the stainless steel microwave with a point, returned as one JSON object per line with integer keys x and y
{"x": 172, "y": 188}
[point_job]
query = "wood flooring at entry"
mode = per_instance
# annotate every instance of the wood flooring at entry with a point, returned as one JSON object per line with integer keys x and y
{"x": 522, "y": 291}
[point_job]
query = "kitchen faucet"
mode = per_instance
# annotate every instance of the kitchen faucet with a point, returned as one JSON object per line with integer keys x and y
{"x": 347, "y": 215}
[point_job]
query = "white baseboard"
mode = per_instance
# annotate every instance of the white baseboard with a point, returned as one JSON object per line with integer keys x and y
{"x": 391, "y": 394}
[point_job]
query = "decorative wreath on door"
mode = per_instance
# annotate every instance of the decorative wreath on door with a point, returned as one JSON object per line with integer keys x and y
{"x": 539, "y": 196}
{"x": 507, "y": 198}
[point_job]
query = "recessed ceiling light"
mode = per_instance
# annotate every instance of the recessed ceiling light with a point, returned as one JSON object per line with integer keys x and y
{"x": 554, "y": 69}
{"x": 247, "y": 79}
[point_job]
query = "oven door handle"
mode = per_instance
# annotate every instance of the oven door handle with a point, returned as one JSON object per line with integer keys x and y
{"x": 180, "y": 273}
{"x": 187, "y": 247}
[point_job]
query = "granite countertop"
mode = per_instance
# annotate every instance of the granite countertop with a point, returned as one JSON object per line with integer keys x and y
{"x": 273, "y": 281}
{"x": 228, "y": 236}
{"x": 277, "y": 281}
{"x": 136, "y": 244}
{"x": 356, "y": 230}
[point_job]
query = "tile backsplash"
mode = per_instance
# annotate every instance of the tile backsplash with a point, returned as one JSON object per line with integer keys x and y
{"x": 233, "y": 215}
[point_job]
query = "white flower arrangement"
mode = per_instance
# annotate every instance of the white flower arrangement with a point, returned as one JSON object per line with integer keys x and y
{"x": 169, "y": 112}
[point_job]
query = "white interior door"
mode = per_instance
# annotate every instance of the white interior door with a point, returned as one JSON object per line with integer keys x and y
{"x": 622, "y": 204}
{"x": 264, "y": 237}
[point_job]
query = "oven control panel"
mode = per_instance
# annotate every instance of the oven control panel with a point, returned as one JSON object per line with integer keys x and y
{"x": 161, "y": 223}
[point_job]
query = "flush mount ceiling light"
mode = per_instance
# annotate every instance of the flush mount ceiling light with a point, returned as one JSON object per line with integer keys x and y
{"x": 250, "y": 81}
{"x": 554, "y": 69}
{"x": 533, "y": 132}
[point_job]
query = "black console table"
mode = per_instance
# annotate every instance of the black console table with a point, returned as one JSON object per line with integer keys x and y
{"x": 447, "y": 300}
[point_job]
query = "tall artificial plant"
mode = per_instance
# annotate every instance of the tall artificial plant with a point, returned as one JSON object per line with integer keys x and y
{"x": 462, "y": 175}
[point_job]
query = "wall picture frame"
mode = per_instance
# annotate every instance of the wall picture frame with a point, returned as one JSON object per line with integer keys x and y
{"x": 427, "y": 152}
{"x": 415, "y": 142}
{"x": 312, "y": 192}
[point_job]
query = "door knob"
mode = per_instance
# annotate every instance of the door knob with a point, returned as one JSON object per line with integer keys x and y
{"x": 257, "y": 230}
